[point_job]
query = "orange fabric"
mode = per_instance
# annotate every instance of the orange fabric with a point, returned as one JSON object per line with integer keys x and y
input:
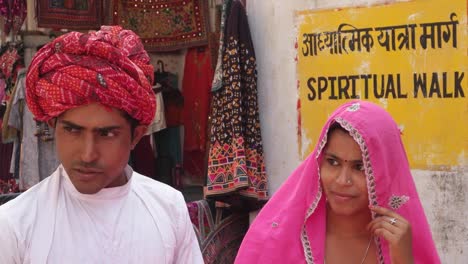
{"x": 109, "y": 66}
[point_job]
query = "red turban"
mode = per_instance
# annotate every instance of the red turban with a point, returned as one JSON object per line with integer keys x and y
{"x": 109, "y": 66}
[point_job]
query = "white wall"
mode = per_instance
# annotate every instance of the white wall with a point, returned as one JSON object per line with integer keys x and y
{"x": 443, "y": 194}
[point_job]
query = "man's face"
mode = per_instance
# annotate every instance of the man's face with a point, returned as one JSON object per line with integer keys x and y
{"x": 342, "y": 174}
{"x": 94, "y": 144}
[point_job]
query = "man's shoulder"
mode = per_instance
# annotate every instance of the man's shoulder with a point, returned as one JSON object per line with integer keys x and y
{"x": 153, "y": 185}
{"x": 158, "y": 190}
{"x": 25, "y": 203}
{"x": 20, "y": 214}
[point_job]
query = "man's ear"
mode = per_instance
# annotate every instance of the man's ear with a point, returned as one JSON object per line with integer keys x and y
{"x": 138, "y": 133}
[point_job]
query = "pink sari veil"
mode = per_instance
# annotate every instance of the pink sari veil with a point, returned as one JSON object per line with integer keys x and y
{"x": 291, "y": 226}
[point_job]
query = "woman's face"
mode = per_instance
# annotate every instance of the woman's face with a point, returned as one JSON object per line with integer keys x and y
{"x": 342, "y": 175}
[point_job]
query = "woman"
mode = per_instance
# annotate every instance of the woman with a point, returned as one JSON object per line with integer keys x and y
{"x": 353, "y": 200}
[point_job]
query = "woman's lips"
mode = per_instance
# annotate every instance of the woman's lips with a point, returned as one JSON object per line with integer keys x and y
{"x": 342, "y": 197}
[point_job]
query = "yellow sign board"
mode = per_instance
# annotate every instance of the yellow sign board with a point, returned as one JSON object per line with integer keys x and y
{"x": 409, "y": 57}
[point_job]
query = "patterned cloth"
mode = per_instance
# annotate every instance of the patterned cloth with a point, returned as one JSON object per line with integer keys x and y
{"x": 109, "y": 66}
{"x": 7, "y": 62}
{"x": 71, "y": 14}
{"x": 291, "y": 228}
{"x": 8, "y": 187}
{"x": 11, "y": 61}
{"x": 218, "y": 77}
{"x": 164, "y": 25}
{"x": 236, "y": 165}
{"x": 14, "y": 12}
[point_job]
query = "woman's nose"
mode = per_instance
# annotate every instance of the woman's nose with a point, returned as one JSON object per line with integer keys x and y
{"x": 344, "y": 176}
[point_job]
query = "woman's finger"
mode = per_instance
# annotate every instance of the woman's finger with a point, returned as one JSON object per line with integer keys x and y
{"x": 387, "y": 235}
{"x": 383, "y": 211}
{"x": 382, "y": 222}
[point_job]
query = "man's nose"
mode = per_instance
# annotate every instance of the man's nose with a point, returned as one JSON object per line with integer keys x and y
{"x": 89, "y": 151}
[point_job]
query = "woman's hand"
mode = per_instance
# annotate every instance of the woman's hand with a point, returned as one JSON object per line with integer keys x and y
{"x": 396, "y": 231}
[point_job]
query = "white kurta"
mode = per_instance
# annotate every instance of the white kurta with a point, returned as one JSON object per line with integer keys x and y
{"x": 143, "y": 221}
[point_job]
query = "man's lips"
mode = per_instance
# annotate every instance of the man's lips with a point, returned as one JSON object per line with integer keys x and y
{"x": 86, "y": 174}
{"x": 87, "y": 170}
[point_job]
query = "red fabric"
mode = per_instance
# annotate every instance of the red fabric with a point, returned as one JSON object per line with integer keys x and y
{"x": 6, "y": 150}
{"x": 109, "y": 66}
{"x": 198, "y": 76}
{"x": 143, "y": 157}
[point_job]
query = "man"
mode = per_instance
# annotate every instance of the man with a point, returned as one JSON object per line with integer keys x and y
{"x": 95, "y": 89}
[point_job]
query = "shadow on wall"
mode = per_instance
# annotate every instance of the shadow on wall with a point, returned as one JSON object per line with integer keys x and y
{"x": 448, "y": 192}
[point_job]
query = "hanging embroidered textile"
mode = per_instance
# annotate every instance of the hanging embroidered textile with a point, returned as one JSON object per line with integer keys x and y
{"x": 218, "y": 75}
{"x": 11, "y": 61}
{"x": 235, "y": 166}
{"x": 14, "y": 12}
{"x": 7, "y": 62}
{"x": 71, "y": 14}
{"x": 164, "y": 25}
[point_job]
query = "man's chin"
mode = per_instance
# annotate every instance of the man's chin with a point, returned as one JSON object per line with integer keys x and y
{"x": 87, "y": 188}
{"x": 87, "y": 191}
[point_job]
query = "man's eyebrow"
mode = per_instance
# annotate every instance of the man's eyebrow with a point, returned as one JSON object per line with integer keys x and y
{"x": 340, "y": 159}
{"x": 97, "y": 129}
{"x": 108, "y": 128}
{"x": 70, "y": 124}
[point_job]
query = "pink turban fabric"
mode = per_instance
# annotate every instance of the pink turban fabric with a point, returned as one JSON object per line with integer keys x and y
{"x": 109, "y": 66}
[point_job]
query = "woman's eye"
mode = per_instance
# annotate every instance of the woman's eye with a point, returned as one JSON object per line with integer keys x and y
{"x": 360, "y": 167}
{"x": 332, "y": 162}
